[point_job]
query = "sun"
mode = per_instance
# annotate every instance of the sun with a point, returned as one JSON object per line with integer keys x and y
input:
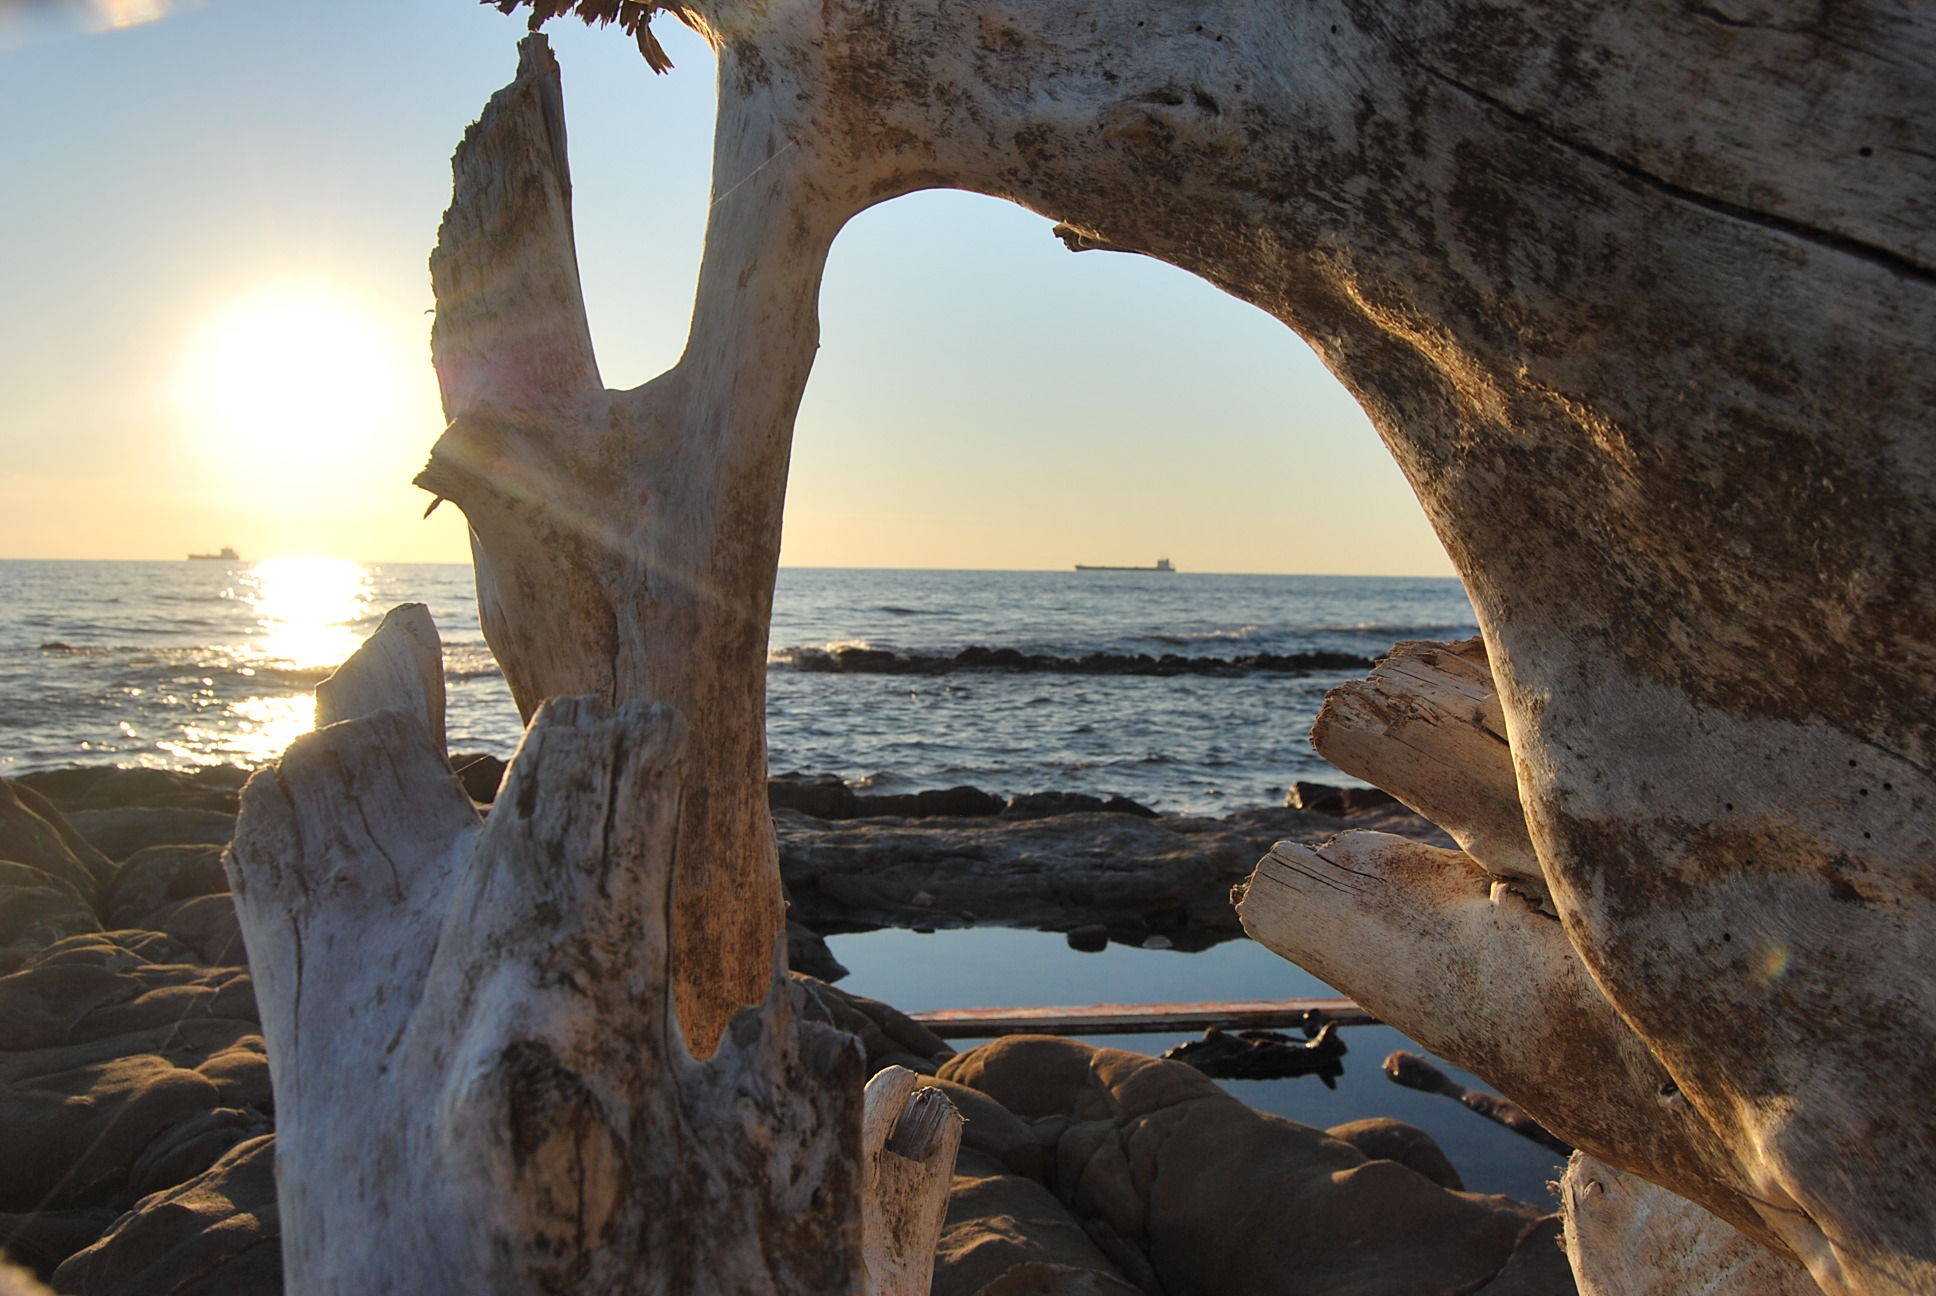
{"x": 296, "y": 378}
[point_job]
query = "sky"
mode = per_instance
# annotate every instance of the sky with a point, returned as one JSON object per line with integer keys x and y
{"x": 214, "y": 328}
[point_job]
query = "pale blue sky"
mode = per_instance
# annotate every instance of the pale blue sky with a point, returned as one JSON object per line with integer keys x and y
{"x": 983, "y": 397}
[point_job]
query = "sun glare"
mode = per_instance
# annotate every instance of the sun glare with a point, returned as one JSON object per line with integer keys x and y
{"x": 307, "y": 609}
{"x": 300, "y": 383}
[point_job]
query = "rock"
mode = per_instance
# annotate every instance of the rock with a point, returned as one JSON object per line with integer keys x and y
{"x": 1538, "y": 1266}
{"x": 1132, "y": 876}
{"x": 1214, "y": 1194}
{"x": 1264, "y": 1055}
{"x": 120, "y": 833}
{"x": 1324, "y": 798}
{"x": 1007, "y": 1235}
{"x": 823, "y": 796}
{"x": 1044, "y": 805}
{"x": 157, "y": 876}
{"x": 208, "y": 926}
{"x": 33, "y": 833}
{"x": 215, "y": 1235}
{"x": 1383, "y": 1139}
{"x": 1090, "y": 938}
{"x": 112, "y": 1066}
{"x": 37, "y": 909}
{"x": 187, "y": 1148}
{"x": 481, "y": 773}
{"x": 994, "y": 1130}
{"x": 42, "y": 1239}
{"x": 888, "y": 1036}
{"x": 807, "y": 952}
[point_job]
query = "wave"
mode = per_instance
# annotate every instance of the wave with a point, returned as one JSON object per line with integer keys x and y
{"x": 862, "y": 660}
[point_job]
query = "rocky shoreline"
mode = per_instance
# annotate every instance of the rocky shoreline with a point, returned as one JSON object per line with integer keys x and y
{"x": 135, "y": 1096}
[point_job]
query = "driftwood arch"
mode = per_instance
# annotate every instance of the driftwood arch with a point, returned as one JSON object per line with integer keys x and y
{"x": 1642, "y": 297}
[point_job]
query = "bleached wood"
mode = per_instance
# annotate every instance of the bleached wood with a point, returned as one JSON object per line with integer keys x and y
{"x": 909, "y": 1137}
{"x": 1643, "y": 299}
{"x": 480, "y": 1079}
{"x": 1427, "y": 726}
{"x": 401, "y": 665}
{"x": 1432, "y": 943}
{"x": 1628, "y": 1237}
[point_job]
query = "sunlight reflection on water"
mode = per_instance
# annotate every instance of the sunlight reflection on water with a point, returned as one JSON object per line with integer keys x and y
{"x": 307, "y": 615}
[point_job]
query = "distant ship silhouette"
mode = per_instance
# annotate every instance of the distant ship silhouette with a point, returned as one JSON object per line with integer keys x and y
{"x": 1162, "y": 564}
{"x": 227, "y": 554}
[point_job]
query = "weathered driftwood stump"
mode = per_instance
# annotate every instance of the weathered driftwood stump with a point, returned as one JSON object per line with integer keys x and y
{"x": 1643, "y": 299}
{"x": 480, "y": 1078}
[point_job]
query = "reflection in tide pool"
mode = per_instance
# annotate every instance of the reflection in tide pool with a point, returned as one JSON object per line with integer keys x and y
{"x": 998, "y": 967}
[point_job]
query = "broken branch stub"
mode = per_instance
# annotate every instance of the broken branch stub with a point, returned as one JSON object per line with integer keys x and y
{"x": 479, "y": 1074}
{"x": 1628, "y": 1237}
{"x": 1427, "y": 726}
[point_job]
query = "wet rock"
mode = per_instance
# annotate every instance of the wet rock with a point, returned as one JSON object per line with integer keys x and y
{"x": 215, "y": 1235}
{"x": 807, "y": 952}
{"x": 1212, "y": 1194}
{"x": 1327, "y": 799}
{"x": 1007, "y": 1235}
{"x": 1264, "y": 1055}
{"x": 1090, "y": 938}
{"x": 42, "y": 1239}
{"x": 950, "y": 803}
{"x": 119, "y": 833}
{"x": 481, "y": 774}
{"x": 37, "y": 909}
{"x": 822, "y": 796}
{"x": 1383, "y": 1139}
{"x": 1414, "y": 1072}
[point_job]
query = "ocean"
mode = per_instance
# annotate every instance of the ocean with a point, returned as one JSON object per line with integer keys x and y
{"x": 187, "y": 663}
{"x": 1138, "y": 684}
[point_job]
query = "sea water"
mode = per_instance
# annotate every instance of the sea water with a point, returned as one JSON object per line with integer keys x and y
{"x": 179, "y": 664}
{"x": 185, "y": 663}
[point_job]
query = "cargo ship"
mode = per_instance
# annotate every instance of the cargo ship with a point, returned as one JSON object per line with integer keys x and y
{"x": 226, "y": 555}
{"x": 1162, "y": 564}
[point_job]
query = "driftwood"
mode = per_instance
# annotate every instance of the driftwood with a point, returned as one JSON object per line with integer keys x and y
{"x": 1643, "y": 299}
{"x": 1628, "y": 1237}
{"x": 480, "y": 1079}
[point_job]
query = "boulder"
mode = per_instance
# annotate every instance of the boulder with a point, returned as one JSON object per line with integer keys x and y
{"x": 821, "y": 796}
{"x": 1326, "y": 798}
{"x": 215, "y": 1235}
{"x": 1158, "y": 1159}
{"x": 1383, "y": 1139}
